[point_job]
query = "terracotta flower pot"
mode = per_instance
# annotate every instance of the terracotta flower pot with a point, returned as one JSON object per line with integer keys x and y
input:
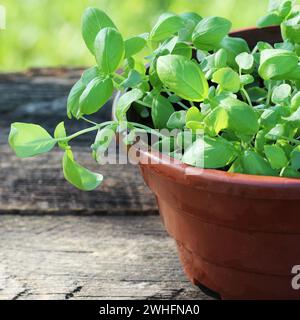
{"x": 238, "y": 235}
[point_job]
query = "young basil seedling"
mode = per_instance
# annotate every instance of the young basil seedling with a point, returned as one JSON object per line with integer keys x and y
{"x": 232, "y": 109}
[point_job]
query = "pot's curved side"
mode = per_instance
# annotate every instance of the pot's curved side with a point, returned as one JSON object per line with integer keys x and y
{"x": 240, "y": 248}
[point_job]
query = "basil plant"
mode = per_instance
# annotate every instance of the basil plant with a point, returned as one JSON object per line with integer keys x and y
{"x": 244, "y": 101}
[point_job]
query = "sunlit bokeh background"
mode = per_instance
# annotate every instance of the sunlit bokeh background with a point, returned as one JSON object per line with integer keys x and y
{"x": 47, "y": 32}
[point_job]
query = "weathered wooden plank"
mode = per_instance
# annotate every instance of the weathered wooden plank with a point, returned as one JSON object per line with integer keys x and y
{"x": 89, "y": 257}
{"x": 37, "y": 185}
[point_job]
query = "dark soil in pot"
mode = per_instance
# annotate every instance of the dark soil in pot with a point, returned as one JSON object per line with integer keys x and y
{"x": 236, "y": 234}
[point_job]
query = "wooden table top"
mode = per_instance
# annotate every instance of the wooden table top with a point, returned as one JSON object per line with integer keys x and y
{"x": 60, "y": 243}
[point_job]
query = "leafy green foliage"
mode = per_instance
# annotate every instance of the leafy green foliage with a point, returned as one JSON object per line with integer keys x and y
{"x": 229, "y": 108}
{"x": 28, "y": 140}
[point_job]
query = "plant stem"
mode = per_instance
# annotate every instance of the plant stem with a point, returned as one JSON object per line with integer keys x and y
{"x": 269, "y": 93}
{"x": 87, "y": 130}
{"x": 119, "y": 76}
{"x": 144, "y": 104}
{"x": 147, "y": 129}
{"x": 89, "y": 121}
{"x": 247, "y": 96}
{"x": 182, "y": 105}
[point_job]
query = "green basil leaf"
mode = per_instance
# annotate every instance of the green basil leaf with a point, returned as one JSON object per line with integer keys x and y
{"x": 210, "y": 153}
{"x": 78, "y": 176}
{"x": 276, "y": 156}
{"x": 290, "y": 29}
{"x": 177, "y": 120}
{"x": 96, "y": 94}
{"x": 271, "y": 19}
{"x": 276, "y": 133}
{"x": 182, "y": 49}
{"x": 89, "y": 74}
{"x": 191, "y": 19}
{"x": 277, "y": 63}
{"x": 183, "y": 77}
{"x": 281, "y": 93}
{"x": 233, "y": 47}
{"x": 228, "y": 79}
{"x": 295, "y": 102}
{"x": 109, "y": 50}
{"x": 134, "y": 45}
{"x": 290, "y": 173}
{"x": 220, "y": 58}
{"x": 209, "y": 32}
{"x": 161, "y": 111}
{"x": 245, "y": 61}
{"x": 133, "y": 80}
{"x": 28, "y": 140}
{"x": 167, "y": 25}
{"x": 165, "y": 145}
{"x": 126, "y": 101}
{"x": 216, "y": 121}
{"x": 196, "y": 126}
{"x": 60, "y": 133}
{"x": 242, "y": 118}
{"x": 285, "y": 8}
{"x": 93, "y": 20}
{"x": 293, "y": 119}
{"x": 74, "y": 97}
{"x": 295, "y": 158}
{"x": 103, "y": 140}
{"x": 194, "y": 114}
{"x": 257, "y": 94}
{"x": 255, "y": 164}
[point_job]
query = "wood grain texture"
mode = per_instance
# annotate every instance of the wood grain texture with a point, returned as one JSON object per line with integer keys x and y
{"x": 90, "y": 257}
{"x": 37, "y": 185}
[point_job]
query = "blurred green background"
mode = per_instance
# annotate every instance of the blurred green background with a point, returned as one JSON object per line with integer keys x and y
{"x": 47, "y": 32}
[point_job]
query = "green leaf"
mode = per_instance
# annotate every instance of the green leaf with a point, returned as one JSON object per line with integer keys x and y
{"x": 293, "y": 119}
{"x": 260, "y": 141}
{"x": 295, "y": 158}
{"x": 210, "y": 32}
{"x": 233, "y": 47}
{"x": 78, "y": 176}
{"x": 210, "y": 153}
{"x": 257, "y": 94}
{"x": 285, "y": 8}
{"x": 196, "y": 126}
{"x": 271, "y": 19}
{"x": 246, "y": 79}
{"x": 236, "y": 167}
{"x": 216, "y": 121}
{"x": 228, "y": 79}
{"x": 165, "y": 145}
{"x": 185, "y": 139}
{"x": 167, "y": 25}
{"x": 60, "y": 133}
{"x": 242, "y": 118}
{"x": 109, "y": 50}
{"x": 96, "y": 94}
{"x": 134, "y": 45}
{"x": 161, "y": 111}
{"x": 276, "y": 156}
{"x": 89, "y": 74}
{"x": 28, "y": 140}
{"x": 255, "y": 164}
{"x": 290, "y": 173}
{"x": 281, "y": 93}
{"x": 103, "y": 140}
{"x": 126, "y": 101}
{"x": 134, "y": 79}
{"x": 220, "y": 59}
{"x": 177, "y": 120}
{"x": 183, "y": 77}
{"x": 93, "y": 20}
{"x": 183, "y": 49}
{"x": 74, "y": 97}
{"x": 193, "y": 114}
{"x": 276, "y": 133}
{"x": 295, "y": 102}
{"x": 271, "y": 116}
{"x": 191, "y": 19}
{"x": 290, "y": 29}
{"x": 245, "y": 61}
{"x": 277, "y": 63}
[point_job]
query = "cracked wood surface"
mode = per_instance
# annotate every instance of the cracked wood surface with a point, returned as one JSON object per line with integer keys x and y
{"x": 89, "y": 257}
{"x": 60, "y": 243}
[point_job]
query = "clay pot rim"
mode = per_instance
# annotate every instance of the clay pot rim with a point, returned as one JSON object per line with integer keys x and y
{"x": 161, "y": 162}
